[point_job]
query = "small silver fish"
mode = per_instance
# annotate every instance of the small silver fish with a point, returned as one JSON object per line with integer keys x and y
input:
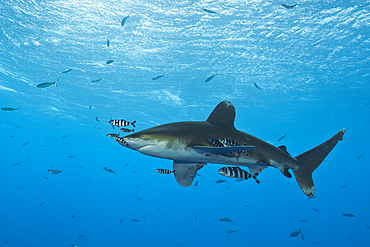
{"x": 108, "y": 43}
{"x": 158, "y": 77}
{"x": 97, "y": 119}
{"x": 209, "y": 11}
{"x": 24, "y": 144}
{"x": 110, "y": 61}
{"x": 124, "y": 20}
{"x": 127, "y": 130}
{"x": 281, "y": 138}
{"x": 349, "y": 215}
{"x": 164, "y": 171}
{"x": 316, "y": 210}
{"x": 210, "y": 78}
{"x": 196, "y": 184}
{"x": 46, "y": 84}
{"x": 109, "y": 170}
{"x": 55, "y": 171}
{"x": 289, "y": 6}
{"x": 343, "y": 186}
{"x": 255, "y": 84}
{"x": 359, "y": 157}
{"x": 135, "y": 220}
{"x": 10, "y": 109}
{"x": 96, "y": 80}
{"x": 71, "y": 156}
{"x": 303, "y": 220}
{"x": 66, "y": 71}
{"x": 220, "y": 181}
{"x": 225, "y": 219}
{"x": 232, "y": 231}
{"x": 296, "y": 233}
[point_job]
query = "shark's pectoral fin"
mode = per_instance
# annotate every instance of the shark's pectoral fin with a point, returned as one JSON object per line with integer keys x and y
{"x": 186, "y": 172}
{"x": 220, "y": 150}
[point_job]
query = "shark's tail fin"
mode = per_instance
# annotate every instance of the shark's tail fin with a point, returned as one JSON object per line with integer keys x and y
{"x": 310, "y": 160}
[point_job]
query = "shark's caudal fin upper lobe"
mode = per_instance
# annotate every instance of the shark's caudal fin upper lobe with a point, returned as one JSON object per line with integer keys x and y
{"x": 311, "y": 159}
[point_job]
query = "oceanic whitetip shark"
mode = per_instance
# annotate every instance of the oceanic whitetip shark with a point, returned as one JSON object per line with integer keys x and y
{"x": 188, "y": 145}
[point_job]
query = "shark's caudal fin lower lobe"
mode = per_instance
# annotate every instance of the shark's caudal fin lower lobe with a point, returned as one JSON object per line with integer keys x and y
{"x": 311, "y": 159}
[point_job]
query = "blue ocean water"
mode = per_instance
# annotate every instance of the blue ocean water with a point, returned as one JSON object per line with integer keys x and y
{"x": 311, "y": 64}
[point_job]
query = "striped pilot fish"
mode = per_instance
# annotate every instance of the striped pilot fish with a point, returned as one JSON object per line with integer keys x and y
{"x": 115, "y": 136}
{"x": 118, "y": 139}
{"x": 225, "y": 142}
{"x": 164, "y": 171}
{"x": 236, "y": 172}
{"x": 121, "y": 122}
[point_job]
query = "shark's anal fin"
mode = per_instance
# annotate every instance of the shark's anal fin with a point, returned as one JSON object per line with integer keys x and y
{"x": 220, "y": 150}
{"x": 186, "y": 172}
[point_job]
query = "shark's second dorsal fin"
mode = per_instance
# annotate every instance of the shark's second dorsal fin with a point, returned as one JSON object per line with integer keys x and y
{"x": 223, "y": 114}
{"x": 283, "y": 148}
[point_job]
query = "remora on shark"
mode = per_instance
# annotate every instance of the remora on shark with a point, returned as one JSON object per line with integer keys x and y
{"x": 187, "y": 144}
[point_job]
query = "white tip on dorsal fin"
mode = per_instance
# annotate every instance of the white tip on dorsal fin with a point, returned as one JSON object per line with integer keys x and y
{"x": 223, "y": 114}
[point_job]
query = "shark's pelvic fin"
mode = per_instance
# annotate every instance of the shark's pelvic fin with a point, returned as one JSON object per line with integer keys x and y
{"x": 186, "y": 172}
{"x": 223, "y": 115}
{"x": 221, "y": 150}
{"x": 257, "y": 169}
{"x": 311, "y": 159}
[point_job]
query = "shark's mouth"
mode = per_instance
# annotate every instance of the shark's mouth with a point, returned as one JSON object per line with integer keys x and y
{"x": 143, "y": 147}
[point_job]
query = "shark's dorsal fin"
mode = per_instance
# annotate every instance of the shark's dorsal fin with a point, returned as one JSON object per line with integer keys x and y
{"x": 186, "y": 172}
{"x": 223, "y": 115}
{"x": 283, "y": 148}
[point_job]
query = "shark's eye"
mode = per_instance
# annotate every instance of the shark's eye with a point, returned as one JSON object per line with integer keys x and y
{"x": 143, "y": 136}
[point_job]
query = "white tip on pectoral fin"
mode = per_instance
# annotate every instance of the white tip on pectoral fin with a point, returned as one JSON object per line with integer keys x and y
{"x": 186, "y": 172}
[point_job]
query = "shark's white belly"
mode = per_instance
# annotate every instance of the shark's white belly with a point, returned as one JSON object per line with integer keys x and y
{"x": 184, "y": 154}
